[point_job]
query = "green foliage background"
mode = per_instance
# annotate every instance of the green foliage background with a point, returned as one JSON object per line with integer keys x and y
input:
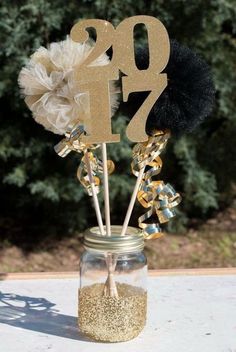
{"x": 39, "y": 191}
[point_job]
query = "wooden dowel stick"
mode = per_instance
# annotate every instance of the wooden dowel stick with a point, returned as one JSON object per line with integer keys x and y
{"x": 94, "y": 194}
{"x": 106, "y": 190}
{"x": 132, "y": 201}
{"x": 110, "y": 288}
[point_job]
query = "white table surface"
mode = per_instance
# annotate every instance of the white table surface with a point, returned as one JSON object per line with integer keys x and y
{"x": 186, "y": 313}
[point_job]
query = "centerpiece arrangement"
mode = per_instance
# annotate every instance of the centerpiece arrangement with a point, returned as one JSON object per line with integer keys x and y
{"x": 73, "y": 89}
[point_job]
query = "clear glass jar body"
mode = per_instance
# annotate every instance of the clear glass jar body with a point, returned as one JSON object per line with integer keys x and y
{"x": 112, "y": 294}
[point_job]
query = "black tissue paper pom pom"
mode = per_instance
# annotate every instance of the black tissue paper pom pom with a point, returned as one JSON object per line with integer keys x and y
{"x": 189, "y": 96}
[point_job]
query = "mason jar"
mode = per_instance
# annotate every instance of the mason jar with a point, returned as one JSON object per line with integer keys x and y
{"x": 113, "y": 285}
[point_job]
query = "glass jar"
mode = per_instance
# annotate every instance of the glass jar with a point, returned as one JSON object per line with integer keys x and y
{"x": 112, "y": 293}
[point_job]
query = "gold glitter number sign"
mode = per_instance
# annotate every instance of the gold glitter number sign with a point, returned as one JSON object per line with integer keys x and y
{"x": 142, "y": 80}
{"x": 95, "y": 80}
{"x": 105, "y": 33}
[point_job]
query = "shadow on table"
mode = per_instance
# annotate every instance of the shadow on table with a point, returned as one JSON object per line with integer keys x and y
{"x": 2, "y": 276}
{"x": 37, "y": 314}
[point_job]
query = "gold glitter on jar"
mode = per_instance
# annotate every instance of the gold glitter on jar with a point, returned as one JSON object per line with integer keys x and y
{"x": 112, "y": 296}
{"x": 110, "y": 319}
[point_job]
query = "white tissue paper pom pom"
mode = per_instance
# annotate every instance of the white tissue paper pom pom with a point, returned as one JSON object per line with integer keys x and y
{"x": 50, "y": 89}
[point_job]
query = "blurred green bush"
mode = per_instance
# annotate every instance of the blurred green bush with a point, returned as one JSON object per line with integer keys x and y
{"x": 39, "y": 190}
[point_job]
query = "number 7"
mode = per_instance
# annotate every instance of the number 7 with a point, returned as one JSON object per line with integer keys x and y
{"x": 136, "y": 128}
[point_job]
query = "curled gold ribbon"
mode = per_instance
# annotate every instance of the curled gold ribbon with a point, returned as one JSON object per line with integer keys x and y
{"x": 96, "y": 167}
{"x": 83, "y": 172}
{"x": 72, "y": 142}
{"x": 146, "y": 153}
{"x": 160, "y": 198}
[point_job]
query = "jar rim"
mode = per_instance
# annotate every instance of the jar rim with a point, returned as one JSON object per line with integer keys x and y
{"x": 133, "y": 241}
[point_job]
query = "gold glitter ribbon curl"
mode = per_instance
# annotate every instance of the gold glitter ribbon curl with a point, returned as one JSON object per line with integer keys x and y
{"x": 90, "y": 163}
{"x": 161, "y": 198}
